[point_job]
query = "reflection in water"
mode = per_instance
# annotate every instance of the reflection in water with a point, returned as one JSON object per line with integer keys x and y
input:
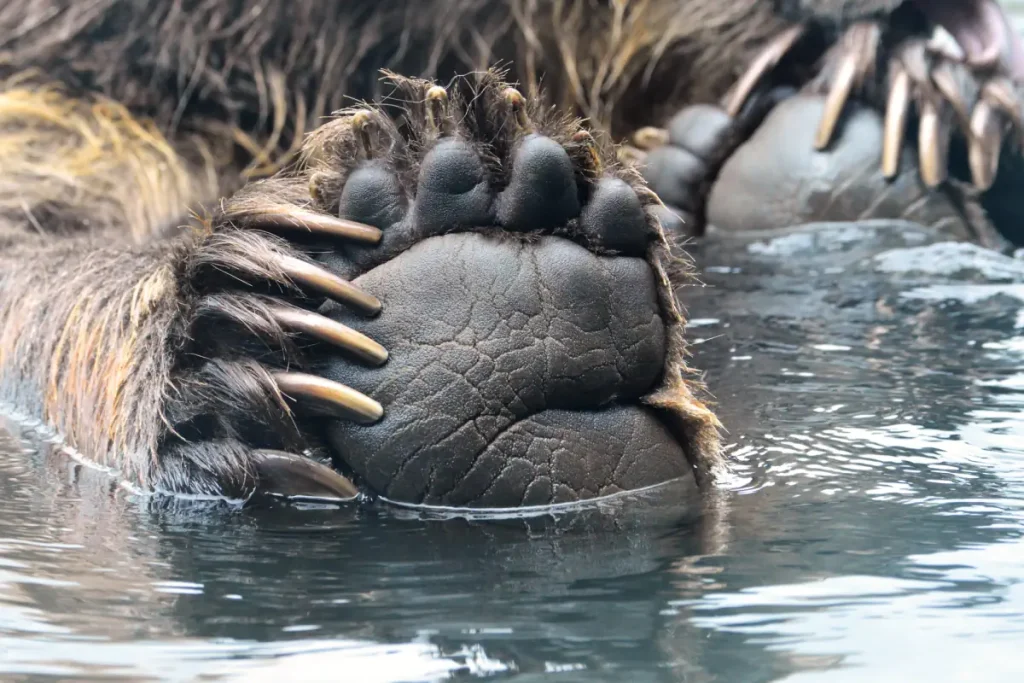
{"x": 873, "y": 526}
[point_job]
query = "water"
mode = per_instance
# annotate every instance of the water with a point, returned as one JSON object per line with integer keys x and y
{"x": 873, "y": 385}
{"x": 874, "y": 529}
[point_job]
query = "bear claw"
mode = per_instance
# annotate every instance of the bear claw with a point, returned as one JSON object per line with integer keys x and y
{"x": 331, "y": 331}
{"x": 982, "y": 96}
{"x": 286, "y": 475}
{"x": 293, "y": 219}
{"x": 562, "y": 272}
{"x": 505, "y": 233}
{"x": 333, "y": 398}
{"x": 317, "y": 278}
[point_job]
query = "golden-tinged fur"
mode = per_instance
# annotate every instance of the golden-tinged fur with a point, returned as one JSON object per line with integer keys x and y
{"x": 90, "y": 357}
{"x": 120, "y": 120}
{"x": 72, "y": 166}
{"x": 186, "y": 99}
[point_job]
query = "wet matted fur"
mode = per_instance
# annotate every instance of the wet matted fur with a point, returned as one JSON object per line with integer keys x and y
{"x": 120, "y": 120}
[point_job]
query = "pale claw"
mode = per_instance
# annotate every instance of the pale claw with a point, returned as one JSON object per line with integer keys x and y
{"x": 1002, "y": 94}
{"x": 930, "y": 145}
{"x": 294, "y": 219}
{"x": 333, "y": 397}
{"x": 859, "y": 51}
{"x": 986, "y": 141}
{"x": 895, "y": 123}
{"x": 314, "y": 277}
{"x": 838, "y": 95}
{"x": 331, "y": 332}
{"x": 948, "y": 85}
{"x": 764, "y": 63}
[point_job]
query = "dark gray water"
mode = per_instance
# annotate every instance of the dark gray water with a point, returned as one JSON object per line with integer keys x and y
{"x": 873, "y": 386}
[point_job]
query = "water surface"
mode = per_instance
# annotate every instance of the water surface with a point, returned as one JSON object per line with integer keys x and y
{"x": 873, "y": 386}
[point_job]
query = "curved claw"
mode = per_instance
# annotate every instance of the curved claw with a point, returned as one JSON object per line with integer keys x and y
{"x": 1001, "y": 94}
{"x": 326, "y": 282}
{"x": 986, "y": 141}
{"x": 998, "y": 105}
{"x": 895, "y": 123}
{"x": 331, "y": 332}
{"x": 292, "y": 476}
{"x": 292, "y": 218}
{"x": 332, "y": 397}
{"x": 948, "y": 85}
{"x": 856, "y": 60}
{"x": 930, "y": 145}
{"x": 764, "y": 63}
{"x": 836, "y": 100}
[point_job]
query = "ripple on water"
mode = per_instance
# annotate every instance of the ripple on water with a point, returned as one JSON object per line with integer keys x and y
{"x": 872, "y": 526}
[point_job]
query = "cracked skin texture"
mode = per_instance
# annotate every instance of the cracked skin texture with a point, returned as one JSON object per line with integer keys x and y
{"x": 517, "y": 374}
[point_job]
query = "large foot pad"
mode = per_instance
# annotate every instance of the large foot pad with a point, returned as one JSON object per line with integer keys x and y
{"x": 525, "y": 287}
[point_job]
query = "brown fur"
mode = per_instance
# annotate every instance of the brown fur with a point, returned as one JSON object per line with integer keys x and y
{"x": 233, "y": 92}
{"x": 118, "y": 118}
{"x": 85, "y": 346}
{"x": 72, "y": 166}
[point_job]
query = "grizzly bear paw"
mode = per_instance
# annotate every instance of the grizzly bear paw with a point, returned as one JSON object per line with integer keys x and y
{"x": 959, "y": 65}
{"x": 774, "y": 179}
{"x": 526, "y": 301}
{"x": 816, "y": 108}
{"x": 243, "y": 384}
